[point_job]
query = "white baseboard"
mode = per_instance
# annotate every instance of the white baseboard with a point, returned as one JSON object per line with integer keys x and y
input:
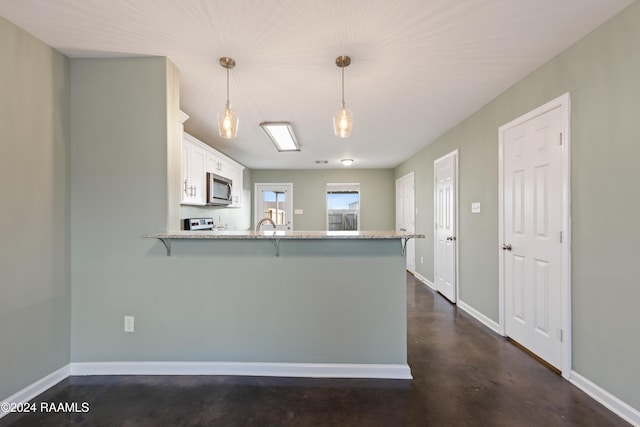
{"x": 311, "y": 370}
{"x": 36, "y": 388}
{"x": 424, "y": 280}
{"x": 615, "y": 405}
{"x": 479, "y": 317}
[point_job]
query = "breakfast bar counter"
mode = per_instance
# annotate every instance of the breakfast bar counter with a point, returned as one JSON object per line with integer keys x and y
{"x": 277, "y": 235}
{"x": 330, "y": 304}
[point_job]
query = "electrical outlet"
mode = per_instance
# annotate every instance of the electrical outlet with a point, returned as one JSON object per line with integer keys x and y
{"x": 128, "y": 323}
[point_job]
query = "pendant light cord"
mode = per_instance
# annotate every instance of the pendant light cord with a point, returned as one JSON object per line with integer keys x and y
{"x": 342, "y": 86}
{"x": 227, "y": 88}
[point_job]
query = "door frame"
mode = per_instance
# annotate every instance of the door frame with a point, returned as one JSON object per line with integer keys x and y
{"x": 413, "y": 214}
{"x": 255, "y": 199}
{"x": 564, "y": 103}
{"x": 456, "y": 217}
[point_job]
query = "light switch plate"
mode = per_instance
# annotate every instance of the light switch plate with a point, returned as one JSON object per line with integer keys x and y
{"x": 475, "y": 207}
{"x": 128, "y": 323}
{"x": 298, "y": 211}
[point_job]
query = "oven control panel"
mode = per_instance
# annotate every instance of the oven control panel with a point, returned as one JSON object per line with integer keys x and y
{"x": 198, "y": 224}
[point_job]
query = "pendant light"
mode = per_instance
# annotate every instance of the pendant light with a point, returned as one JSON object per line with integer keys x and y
{"x": 343, "y": 119}
{"x": 227, "y": 119}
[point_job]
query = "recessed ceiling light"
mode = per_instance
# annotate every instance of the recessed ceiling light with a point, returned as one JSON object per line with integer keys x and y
{"x": 347, "y": 162}
{"x": 281, "y": 134}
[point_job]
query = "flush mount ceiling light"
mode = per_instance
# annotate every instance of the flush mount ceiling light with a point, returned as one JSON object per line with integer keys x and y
{"x": 281, "y": 134}
{"x": 343, "y": 119}
{"x": 227, "y": 119}
{"x": 347, "y": 162}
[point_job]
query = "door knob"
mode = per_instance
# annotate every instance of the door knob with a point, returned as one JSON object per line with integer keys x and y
{"x": 506, "y": 246}
{"x": 452, "y": 238}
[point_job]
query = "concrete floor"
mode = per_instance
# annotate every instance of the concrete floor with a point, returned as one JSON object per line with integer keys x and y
{"x": 464, "y": 375}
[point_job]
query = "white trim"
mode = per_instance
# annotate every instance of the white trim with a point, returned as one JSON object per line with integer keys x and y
{"x": 456, "y": 219}
{"x": 36, "y": 388}
{"x": 564, "y": 103}
{"x": 310, "y": 370}
{"x": 486, "y": 321}
{"x": 609, "y": 401}
{"x": 424, "y": 280}
{"x": 412, "y": 176}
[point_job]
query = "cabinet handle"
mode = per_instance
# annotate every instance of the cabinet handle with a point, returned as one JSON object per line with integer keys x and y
{"x": 185, "y": 187}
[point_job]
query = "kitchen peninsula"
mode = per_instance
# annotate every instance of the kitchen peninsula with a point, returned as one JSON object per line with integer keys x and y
{"x": 297, "y": 303}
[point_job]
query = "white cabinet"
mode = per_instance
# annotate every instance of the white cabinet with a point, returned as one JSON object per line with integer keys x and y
{"x": 215, "y": 164}
{"x": 194, "y": 186}
{"x": 235, "y": 173}
{"x": 220, "y": 164}
{"x": 197, "y": 160}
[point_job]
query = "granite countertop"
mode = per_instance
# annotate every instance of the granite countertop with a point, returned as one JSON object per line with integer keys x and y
{"x": 301, "y": 235}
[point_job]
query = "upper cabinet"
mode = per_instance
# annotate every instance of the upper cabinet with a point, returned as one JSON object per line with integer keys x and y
{"x": 236, "y": 174}
{"x": 193, "y": 175}
{"x": 198, "y": 159}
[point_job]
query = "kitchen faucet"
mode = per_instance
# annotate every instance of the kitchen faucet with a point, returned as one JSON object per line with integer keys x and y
{"x": 262, "y": 221}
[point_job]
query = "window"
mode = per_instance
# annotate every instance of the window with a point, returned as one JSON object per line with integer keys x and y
{"x": 343, "y": 206}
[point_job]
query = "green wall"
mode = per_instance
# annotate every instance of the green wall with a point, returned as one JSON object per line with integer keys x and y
{"x": 377, "y": 194}
{"x": 602, "y": 74}
{"x": 119, "y": 129}
{"x": 34, "y": 215}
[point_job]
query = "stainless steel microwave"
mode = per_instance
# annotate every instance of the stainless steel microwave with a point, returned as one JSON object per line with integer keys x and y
{"x": 219, "y": 190}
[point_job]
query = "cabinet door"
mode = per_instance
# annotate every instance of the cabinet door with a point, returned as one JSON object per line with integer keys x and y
{"x": 236, "y": 176}
{"x": 184, "y": 173}
{"x": 194, "y": 186}
{"x": 214, "y": 164}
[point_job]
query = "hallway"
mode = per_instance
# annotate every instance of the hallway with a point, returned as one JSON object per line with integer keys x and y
{"x": 464, "y": 375}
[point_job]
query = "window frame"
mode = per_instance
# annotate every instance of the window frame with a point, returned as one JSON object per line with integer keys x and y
{"x": 347, "y": 187}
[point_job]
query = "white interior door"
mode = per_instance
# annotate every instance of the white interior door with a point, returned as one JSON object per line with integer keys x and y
{"x": 532, "y": 228}
{"x": 274, "y": 201}
{"x": 405, "y": 215}
{"x": 446, "y": 214}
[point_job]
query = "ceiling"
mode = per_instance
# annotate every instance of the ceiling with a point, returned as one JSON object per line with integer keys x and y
{"x": 418, "y": 68}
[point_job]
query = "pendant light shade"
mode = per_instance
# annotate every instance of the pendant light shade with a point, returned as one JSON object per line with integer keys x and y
{"x": 343, "y": 118}
{"x": 228, "y": 119}
{"x": 343, "y": 122}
